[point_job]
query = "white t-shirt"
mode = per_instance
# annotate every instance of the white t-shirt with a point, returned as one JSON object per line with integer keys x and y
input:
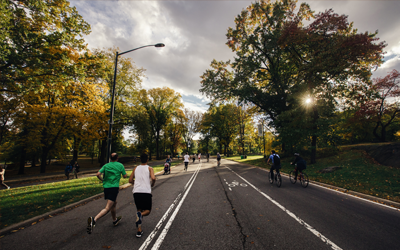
{"x": 199, "y": 155}
{"x": 142, "y": 180}
{"x": 186, "y": 157}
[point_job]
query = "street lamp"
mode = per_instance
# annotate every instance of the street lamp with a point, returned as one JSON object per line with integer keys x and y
{"x": 111, "y": 122}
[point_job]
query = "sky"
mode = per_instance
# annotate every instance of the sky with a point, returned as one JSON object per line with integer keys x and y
{"x": 194, "y": 33}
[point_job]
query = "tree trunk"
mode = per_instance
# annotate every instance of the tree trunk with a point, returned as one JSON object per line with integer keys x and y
{"x": 21, "y": 169}
{"x": 77, "y": 141}
{"x": 103, "y": 152}
{"x": 314, "y": 136}
{"x": 45, "y": 153}
{"x": 157, "y": 145}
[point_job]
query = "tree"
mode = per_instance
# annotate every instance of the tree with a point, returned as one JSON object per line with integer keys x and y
{"x": 279, "y": 59}
{"x": 382, "y": 110}
{"x": 192, "y": 124}
{"x": 39, "y": 35}
{"x": 160, "y": 105}
{"x": 222, "y": 121}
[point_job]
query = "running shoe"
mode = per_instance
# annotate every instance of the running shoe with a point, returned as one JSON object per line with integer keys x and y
{"x": 138, "y": 219}
{"x": 139, "y": 234}
{"x": 119, "y": 218}
{"x": 91, "y": 224}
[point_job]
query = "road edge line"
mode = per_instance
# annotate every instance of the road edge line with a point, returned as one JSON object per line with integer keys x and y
{"x": 366, "y": 197}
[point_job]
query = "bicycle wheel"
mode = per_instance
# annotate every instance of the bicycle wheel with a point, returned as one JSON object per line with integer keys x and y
{"x": 271, "y": 180}
{"x": 291, "y": 177}
{"x": 304, "y": 180}
{"x": 278, "y": 180}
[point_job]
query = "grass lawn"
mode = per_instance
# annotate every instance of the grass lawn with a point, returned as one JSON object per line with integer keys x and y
{"x": 358, "y": 173}
{"x": 19, "y": 204}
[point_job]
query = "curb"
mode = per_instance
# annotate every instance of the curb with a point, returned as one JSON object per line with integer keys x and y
{"x": 343, "y": 190}
{"x": 32, "y": 221}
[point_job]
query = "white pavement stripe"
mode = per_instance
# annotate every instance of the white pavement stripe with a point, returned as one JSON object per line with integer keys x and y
{"x": 341, "y": 192}
{"x": 230, "y": 189}
{"x": 169, "y": 223}
{"x": 307, "y": 226}
{"x": 160, "y": 223}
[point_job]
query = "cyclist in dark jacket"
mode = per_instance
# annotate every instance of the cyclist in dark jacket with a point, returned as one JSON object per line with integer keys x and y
{"x": 301, "y": 164}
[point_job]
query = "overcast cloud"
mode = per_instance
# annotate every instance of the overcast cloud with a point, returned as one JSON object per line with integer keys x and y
{"x": 194, "y": 35}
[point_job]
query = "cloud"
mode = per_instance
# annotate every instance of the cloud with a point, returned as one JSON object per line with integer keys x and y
{"x": 194, "y": 35}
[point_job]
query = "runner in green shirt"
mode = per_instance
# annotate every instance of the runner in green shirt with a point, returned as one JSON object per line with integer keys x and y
{"x": 112, "y": 175}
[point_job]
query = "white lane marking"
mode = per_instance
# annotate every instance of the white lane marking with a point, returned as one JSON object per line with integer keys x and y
{"x": 224, "y": 179}
{"x": 169, "y": 223}
{"x": 354, "y": 196}
{"x": 340, "y": 192}
{"x": 163, "y": 219}
{"x": 310, "y": 228}
{"x": 230, "y": 189}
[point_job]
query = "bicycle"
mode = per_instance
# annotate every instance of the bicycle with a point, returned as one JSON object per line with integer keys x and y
{"x": 277, "y": 178}
{"x": 303, "y": 177}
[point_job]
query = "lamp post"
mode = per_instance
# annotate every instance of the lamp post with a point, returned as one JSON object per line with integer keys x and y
{"x": 111, "y": 122}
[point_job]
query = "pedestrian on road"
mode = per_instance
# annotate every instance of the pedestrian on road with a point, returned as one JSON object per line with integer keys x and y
{"x": 112, "y": 174}
{"x": 2, "y": 173}
{"x": 218, "y": 159}
{"x": 142, "y": 179}
{"x": 76, "y": 169}
{"x": 186, "y": 160}
{"x": 178, "y": 157}
{"x": 68, "y": 169}
{"x": 199, "y": 157}
{"x": 194, "y": 157}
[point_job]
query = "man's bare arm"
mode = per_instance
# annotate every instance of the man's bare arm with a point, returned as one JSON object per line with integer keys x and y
{"x": 152, "y": 176}
{"x": 131, "y": 178}
{"x": 99, "y": 176}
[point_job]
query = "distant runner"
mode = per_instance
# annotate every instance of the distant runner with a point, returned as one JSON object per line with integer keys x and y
{"x": 186, "y": 160}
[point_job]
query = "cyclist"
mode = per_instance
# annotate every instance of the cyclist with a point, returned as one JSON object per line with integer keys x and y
{"x": 301, "y": 165}
{"x": 218, "y": 158}
{"x": 276, "y": 163}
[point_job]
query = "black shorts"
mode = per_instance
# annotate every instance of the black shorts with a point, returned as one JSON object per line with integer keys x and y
{"x": 186, "y": 163}
{"x": 111, "y": 193}
{"x": 143, "y": 201}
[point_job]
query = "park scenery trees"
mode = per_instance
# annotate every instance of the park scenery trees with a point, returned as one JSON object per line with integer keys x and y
{"x": 306, "y": 75}
{"x": 298, "y": 68}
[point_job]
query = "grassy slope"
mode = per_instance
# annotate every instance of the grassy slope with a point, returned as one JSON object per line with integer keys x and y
{"x": 358, "y": 173}
{"x": 19, "y": 204}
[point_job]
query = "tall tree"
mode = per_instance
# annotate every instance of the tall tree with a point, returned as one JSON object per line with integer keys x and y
{"x": 37, "y": 31}
{"x": 384, "y": 109}
{"x": 160, "y": 105}
{"x": 279, "y": 58}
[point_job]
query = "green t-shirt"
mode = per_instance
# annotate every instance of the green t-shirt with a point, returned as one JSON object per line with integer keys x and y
{"x": 113, "y": 171}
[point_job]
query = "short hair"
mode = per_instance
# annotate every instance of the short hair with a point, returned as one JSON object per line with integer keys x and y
{"x": 114, "y": 156}
{"x": 273, "y": 151}
{"x": 144, "y": 157}
{"x": 296, "y": 154}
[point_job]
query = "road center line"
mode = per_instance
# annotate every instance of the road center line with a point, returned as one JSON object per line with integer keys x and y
{"x": 169, "y": 223}
{"x": 303, "y": 223}
{"x": 163, "y": 219}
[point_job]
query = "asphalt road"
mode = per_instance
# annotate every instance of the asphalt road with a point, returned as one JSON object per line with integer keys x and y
{"x": 228, "y": 207}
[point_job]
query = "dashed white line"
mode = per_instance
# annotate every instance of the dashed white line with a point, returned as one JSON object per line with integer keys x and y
{"x": 163, "y": 219}
{"x": 307, "y": 226}
{"x": 169, "y": 223}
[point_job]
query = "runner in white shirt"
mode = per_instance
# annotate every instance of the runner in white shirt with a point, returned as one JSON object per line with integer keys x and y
{"x": 199, "y": 157}
{"x": 143, "y": 179}
{"x": 186, "y": 160}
